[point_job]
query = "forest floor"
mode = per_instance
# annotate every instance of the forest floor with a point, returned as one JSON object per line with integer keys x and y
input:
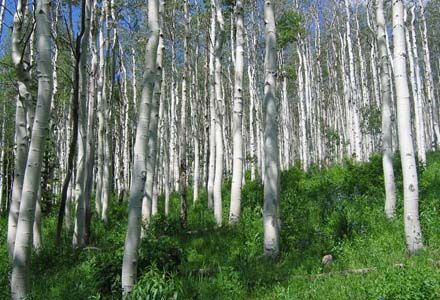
{"x": 336, "y": 210}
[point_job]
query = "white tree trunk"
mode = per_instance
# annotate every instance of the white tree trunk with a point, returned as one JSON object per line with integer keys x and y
{"x": 304, "y": 152}
{"x": 271, "y": 213}
{"x": 79, "y": 230}
{"x": 36, "y": 230}
{"x": 212, "y": 146}
{"x": 429, "y": 82}
{"x": 152, "y": 165}
{"x": 219, "y": 148}
{"x": 20, "y": 287}
{"x": 354, "y": 94}
{"x": 387, "y": 157}
{"x": 129, "y": 265}
{"x": 413, "y": 231}
{"x": 19, "y": 56}
{"x": 183, "y": 170}
{"x": 2, "y": 156}
{"x": 2, "y": 15}
{"x": 237, "y": 171}
{"x": 100, "y": 113}
{"x": 417, "y": 88}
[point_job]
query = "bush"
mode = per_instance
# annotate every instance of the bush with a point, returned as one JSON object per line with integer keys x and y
{"x": 157, "y": 285}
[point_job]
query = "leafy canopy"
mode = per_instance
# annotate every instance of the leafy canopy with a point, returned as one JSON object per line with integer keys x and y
{"x": 289, "y": 26}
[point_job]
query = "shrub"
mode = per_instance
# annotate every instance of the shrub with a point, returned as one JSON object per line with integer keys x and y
{"x": 157, "y": 285}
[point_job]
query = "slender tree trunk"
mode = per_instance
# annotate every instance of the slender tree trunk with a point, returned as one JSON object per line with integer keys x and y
{"x": 129, "y": 265}
{"x": 212, "y": 112}
{"x": 2, "y": 15}
{"x": 387, "y": 157}
{"x": 429, "y": 82}
{"x": 183, "y": 115}
{"x": 416, "y": 84}
{"x": 3, "y": 170}
{"x": 354, "y": 94}
{"x": 219, "y": 149}
{"x": 413, "y": 231}
{"x": 271, "y": 213}
{"x": 20, "y": 285}
{"x": 152, "y": 165}
{"x": 20, "y": 55}
{"x": 90, "y": 154}
{"x": 37, "y": 222}
{"x": 100, "y": 113}
{"x": 237, "y": 172}
{"x": 82, "y": 51}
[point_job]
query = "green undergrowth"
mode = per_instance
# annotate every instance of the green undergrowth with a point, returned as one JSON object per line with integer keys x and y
{"x": 336, "y": 210}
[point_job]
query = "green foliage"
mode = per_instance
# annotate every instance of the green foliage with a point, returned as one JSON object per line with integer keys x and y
{"x": 4, "y": 263}
{"x": 290, "y": 70}
{"x": 159, "y": 249}
{"x": 155, "y": 285}
{"x": 289, "y": 26}
{"x": 336, "y": 210}
{"x": 371, "y": 120}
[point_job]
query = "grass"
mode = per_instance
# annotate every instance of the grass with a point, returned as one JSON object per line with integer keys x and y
{"x": 337, "y": 211}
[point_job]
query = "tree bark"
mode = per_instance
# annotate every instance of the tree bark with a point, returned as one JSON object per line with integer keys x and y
{"x": 413, "y": 233}
{"x": 271, "y": 213}
{"x": 20, "y": 286}
{"x": 212, "y": 112}
{"x": 20, "y": 58}
{"x": 81, "y": 55}
{"x": 129, "y": 265}
{"x": 387, "y": 152}
{"x": 237, "y": 171}
{"x": 219, "y": 148}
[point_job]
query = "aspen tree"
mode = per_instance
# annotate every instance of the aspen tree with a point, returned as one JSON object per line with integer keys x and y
{"x": 302, "y": 112}
{"x": 354, "y": 94}
{"x": 152, "y": 165}
{"x": 91, "y": 114}
{"x": 195, "y": 128}
{"x": 36, "y": 229}
{"x": 107, "y": 97}
{"x": 212, "y": 112}
{"x": 3, "y": 173}
{"x": 129, "y": 265}
{"x": 219, "y": 146}
{"x": 20, "y": 57}
{"x": 2, "y": 15}
{"x": 83, "y": 40}
{"x": 417, "y": 87}
{"x": 237, "y": 172}
{"x": 387, "y": 156}
{"x": 126, "y": 128}
{"x": 183, "y": 116}
{"x": 20, "y": 285}
{"x": 429, "y": 82}
{"x": 100, "y": 98}
{"x": 271, "y": 213}
{"x": 413, "y": 233}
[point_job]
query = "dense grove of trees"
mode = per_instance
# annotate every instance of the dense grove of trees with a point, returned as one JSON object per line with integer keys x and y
{"x": 104, "y": 102}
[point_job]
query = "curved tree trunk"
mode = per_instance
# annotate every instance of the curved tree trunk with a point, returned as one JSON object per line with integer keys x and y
{"x": 20, "y": 286}
{"x": 132, "y": 239}
{"x": 20, "y": 53}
